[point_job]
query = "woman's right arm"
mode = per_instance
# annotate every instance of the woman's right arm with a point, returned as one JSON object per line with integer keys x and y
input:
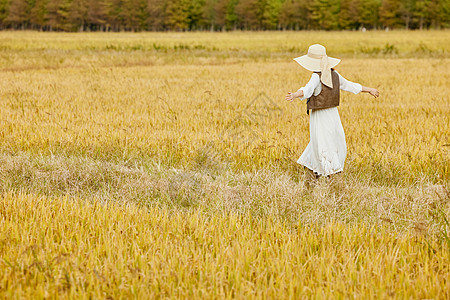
{"x": 372, "y": 91}
{"x": 291, "y": 96}
{"x": 306, "y": 91}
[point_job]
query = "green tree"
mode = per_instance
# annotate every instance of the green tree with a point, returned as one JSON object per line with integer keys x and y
{"x": 231, "y": 17}
{"x": 18, "y": 14}
{"x": 71, "y": 15}
{"x": 390, "y": 13}
{"x": 196, "y": 14}
{"x": 97, "y": 14}
{"x": 249, "y": 13}
{"x": 421, "y": 13}
{"x": 57, "y": 12}
{"x": 220, "y": 12}
{"x": 324, "y": 14}
{"x": 294, "y": 14}
{"x": 156, "y": 14}
{"x": 177, "y": 14}
{"x": 225, "y": 14}
{"x": 368, "y": 13}
{"x": 38, "y": 14}
{"x": 78, "y": 12}
{"x": 209, "y": 14}
{"x": 439, "y": 13}
{"x": 114, "y": 15}
{"x": 271, "y": 12}
{"x": 349, "y": 14}
{"x": 406, "y": 12}
{"x": 142, "y": 15}
{"x": 444, "y": 11}
{"x": 4, "y": 5}
{"x": 134, "y": 14}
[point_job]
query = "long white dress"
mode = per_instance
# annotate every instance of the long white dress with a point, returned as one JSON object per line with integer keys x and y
{"x": 326, "y": 151}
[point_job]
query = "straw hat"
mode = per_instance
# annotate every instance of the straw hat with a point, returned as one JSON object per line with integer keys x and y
{"x": 316, "y": 60}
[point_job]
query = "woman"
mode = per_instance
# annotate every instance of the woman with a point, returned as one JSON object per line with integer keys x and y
{"x": 326, "y": 151}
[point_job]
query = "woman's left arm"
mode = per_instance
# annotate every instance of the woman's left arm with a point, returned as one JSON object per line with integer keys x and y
{"x": 356, "y": 88}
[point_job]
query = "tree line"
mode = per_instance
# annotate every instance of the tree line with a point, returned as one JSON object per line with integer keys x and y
{"x": 219, "y": 15}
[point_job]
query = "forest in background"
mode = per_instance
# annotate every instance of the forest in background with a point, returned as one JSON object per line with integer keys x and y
{"x": 220, "y": 15}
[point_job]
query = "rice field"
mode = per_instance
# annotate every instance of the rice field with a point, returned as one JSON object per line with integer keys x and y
{"x": 163, "y": 165}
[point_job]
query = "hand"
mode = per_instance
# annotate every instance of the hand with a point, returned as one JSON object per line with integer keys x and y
{"x": 290, "y": 97}
{"x": 374, "y": 92}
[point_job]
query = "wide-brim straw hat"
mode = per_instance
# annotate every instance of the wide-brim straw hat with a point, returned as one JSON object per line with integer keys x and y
{"x": 311, "y": 61}
{"x": 316, "y": 60}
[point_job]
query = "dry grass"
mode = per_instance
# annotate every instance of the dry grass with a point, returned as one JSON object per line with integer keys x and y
{"x": 163, "y": 165}
{"x": 262, "y": 194}
{"x": 172, "y": 112}
{"x": 60, "y": 248}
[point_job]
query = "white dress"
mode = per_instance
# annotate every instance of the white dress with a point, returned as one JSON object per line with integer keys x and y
{"x": 326, "y": 151}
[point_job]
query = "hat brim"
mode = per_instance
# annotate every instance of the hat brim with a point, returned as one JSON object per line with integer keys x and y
{"x": 313, "y": 64}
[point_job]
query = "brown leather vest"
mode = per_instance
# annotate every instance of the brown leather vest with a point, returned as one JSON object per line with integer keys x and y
{"x": 328, "y": 97}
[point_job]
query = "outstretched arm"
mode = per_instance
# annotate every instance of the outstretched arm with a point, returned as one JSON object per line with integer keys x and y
{"x": 291, "y": 96}
{"x": 306, "y": 91}
{"x": 372, "y": 91}
{"x": 355, "y": 88}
